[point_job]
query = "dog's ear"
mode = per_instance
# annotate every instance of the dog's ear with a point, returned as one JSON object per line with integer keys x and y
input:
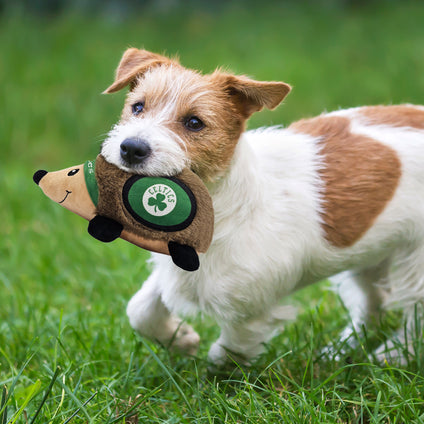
{"x": 251, "y": 96}
{"x": 135, "y": 62}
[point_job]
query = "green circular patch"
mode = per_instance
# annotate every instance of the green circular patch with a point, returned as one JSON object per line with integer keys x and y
{"x": 162, "y": 203}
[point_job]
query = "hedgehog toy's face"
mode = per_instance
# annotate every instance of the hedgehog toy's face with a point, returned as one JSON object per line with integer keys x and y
{"x": 68, "y": 188}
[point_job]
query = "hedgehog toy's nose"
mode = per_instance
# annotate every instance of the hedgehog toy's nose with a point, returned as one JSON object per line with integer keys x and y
{"x": 38, "y": 175}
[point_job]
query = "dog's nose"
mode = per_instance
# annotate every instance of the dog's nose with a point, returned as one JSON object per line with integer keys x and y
{"x": 38, "y": 175}
{"x": 134, "y": 150}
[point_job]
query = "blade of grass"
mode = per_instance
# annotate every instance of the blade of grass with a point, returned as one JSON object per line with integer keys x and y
{"x": 136, "y": 404}
{"x": 15, "y": 381}
{"x": 62, "y": 398}
{"x": 46, "y": 395}
{"x": 3, "y": 406}
{"x": 80, "y": 408}
{"x": 167, "y": 372}
{"x": 35, "y": 387}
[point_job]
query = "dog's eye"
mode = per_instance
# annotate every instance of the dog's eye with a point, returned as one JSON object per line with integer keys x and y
{"x": 73, "y": 172}
{"x": 193, "y": 123}
{"x": 137, "y": 108}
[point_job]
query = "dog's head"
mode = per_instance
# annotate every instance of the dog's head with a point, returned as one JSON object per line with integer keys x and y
{"x": 175, "y": 117}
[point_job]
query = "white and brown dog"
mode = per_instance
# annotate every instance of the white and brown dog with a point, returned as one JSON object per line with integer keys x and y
{"x": 340, "y": 194}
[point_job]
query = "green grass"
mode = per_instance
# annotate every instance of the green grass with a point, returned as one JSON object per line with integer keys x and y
{"x": 67, "y": 352}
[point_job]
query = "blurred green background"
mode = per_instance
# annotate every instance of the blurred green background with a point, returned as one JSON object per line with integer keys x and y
{"x": 335, "y": 54}
{"x": 63, "y": 294}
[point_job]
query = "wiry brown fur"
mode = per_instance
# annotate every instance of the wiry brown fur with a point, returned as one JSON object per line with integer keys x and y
{"x": 222, "y": 101}
{"x": 360, "y": 177}
{"x": 135, "y": 62}
{"x": 395, "y": 116}
{"x": 180, "y": 93}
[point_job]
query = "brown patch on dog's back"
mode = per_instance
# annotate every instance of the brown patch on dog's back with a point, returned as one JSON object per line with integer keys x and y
{"x": 360, "y": 176}
{"x": 396, "y": 116}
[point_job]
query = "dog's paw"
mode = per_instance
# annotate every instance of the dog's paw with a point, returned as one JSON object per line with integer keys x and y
{"x": 217, "y": 355}
{"x": 220, "y": 357}
{"x": 391, "y": 353}
{"x": 332, "y": 353}
{"x": 346, "y": 342}
{"x": 185, "y": 340}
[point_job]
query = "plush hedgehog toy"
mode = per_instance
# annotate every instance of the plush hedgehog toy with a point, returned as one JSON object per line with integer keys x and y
{"x": 171, "y": 215}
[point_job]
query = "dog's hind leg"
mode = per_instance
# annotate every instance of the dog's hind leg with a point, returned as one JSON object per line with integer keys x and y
{"x": 362, "y": 294}
{"x": 150, "y": 317}
{"x": 406, "y": 284}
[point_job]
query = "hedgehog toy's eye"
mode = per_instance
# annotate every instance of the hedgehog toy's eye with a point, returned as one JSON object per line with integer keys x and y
{"x": 73, "y": 172}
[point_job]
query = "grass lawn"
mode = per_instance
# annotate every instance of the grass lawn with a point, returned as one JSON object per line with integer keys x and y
{"x": 67, "y": 352}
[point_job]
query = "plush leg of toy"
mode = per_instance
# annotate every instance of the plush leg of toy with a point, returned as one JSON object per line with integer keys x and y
{"x": 104, "y": 229}
{"x": 183, "y": 256}
{"x": 150, "y": 317}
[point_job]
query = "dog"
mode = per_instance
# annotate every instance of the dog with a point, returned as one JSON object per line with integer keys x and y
{"x": 341, "y": 195}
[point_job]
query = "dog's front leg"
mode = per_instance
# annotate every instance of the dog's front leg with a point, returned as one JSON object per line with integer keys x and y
{"x": 151, "y": 318}
{"x": 231, "y": 347}
{"x": 241, "y": 341}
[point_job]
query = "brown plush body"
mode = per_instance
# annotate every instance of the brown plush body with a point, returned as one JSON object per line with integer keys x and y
{"x": 100, "y": 194}
{"x": 111, "y": 181}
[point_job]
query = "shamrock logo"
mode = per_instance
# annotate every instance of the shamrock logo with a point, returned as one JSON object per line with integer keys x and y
{"x": 157, "y": 202}
{"x": 159, "y": 199}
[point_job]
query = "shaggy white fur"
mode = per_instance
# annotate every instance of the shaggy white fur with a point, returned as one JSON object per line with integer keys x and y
{"x": 269, "y": 192}
{"x": 268, "y": 242}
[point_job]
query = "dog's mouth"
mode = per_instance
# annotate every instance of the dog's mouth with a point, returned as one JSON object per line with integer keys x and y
{"x": 148, "y": 170}
{"x": 67, "y": 194}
